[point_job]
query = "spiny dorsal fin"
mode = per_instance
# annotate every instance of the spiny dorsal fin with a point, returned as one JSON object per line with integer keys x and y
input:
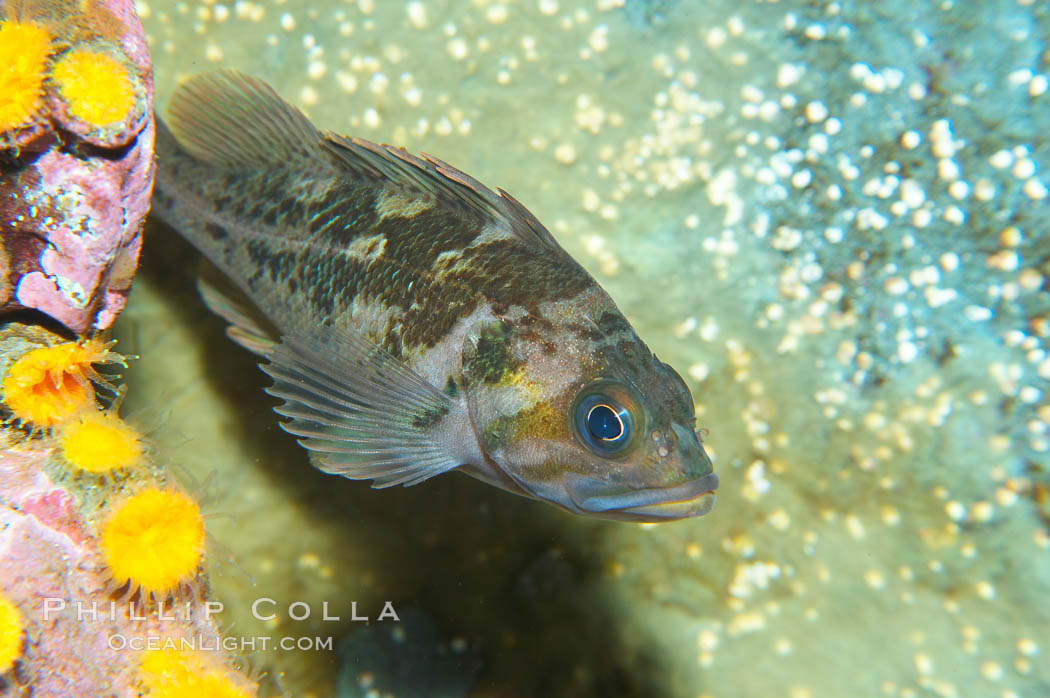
{"x": 426, "y": 174}
{"x": 228, "y": 119}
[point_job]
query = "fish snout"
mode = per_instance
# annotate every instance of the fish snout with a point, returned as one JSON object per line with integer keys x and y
{"x": 693, "y": 460}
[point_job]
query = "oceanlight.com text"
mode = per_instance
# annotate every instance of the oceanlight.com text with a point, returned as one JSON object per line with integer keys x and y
{"x": 215, "y": 643}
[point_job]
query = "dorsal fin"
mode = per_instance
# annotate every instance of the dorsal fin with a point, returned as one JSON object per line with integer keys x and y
{"x": 230, "y": 119}
{"x": 426, "y": 174}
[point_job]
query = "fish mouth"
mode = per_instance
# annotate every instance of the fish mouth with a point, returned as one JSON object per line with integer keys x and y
{"x": 651, "y": 505}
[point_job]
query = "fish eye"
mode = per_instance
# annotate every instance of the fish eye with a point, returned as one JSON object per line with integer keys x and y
{"x": 603, "y": 423}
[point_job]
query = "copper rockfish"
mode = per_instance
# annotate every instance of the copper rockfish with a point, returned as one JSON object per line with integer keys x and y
{"x": 415, "y": 321}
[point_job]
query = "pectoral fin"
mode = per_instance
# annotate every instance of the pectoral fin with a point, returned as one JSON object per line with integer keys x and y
{"x": 364, "y": 415}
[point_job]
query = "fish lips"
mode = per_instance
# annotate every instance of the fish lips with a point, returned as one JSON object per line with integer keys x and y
{"x": 652, "y": 505}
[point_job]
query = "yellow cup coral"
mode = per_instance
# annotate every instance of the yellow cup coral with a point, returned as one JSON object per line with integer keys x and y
{"x": 95, "y": 86}
{"x": 24, "y": 49}
{"x": 50, "y": 384}
{"x": 179, "y": 674}
{"x": 154, "y": 541}
{"x": 99, "y": 443}
{"x": 11, "y": 631}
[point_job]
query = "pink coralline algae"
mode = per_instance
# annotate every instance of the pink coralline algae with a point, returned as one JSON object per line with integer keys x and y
{"x": 71, "y": 622}
{"x": 76, "y": 627}
{"x": 76, "y": 158}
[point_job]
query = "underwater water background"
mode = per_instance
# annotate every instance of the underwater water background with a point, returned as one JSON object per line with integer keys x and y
{"x": 831, "y": 217}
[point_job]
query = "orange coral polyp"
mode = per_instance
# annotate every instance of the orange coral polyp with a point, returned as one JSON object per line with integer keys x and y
{"x": 24, "y": 49}
{"x": 99, "y": 443}
{"x": 95, "y": 85}
{"x": 12, "y": 629}
{"x": 154, "y": 541}
{"x": 50, "y": 384}
{"x": 170, "y": 673}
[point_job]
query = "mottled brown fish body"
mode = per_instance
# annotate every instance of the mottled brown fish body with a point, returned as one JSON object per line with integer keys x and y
{"x": 306, "y": 237}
